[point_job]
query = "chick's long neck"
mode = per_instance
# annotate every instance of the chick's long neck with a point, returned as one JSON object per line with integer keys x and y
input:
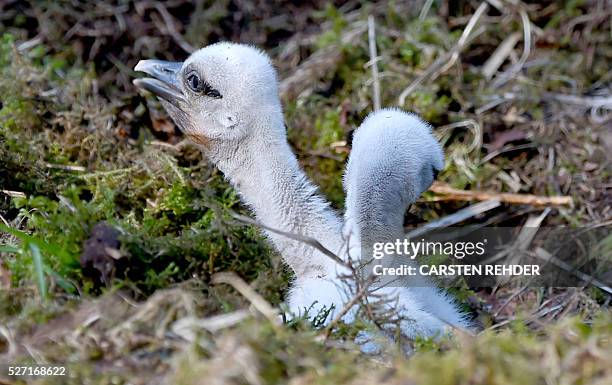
{"x": 270, "y": 181}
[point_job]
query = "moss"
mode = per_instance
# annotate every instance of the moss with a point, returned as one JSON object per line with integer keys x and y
{"x": 331, "y": 36}
{"x": 173, "y": 228}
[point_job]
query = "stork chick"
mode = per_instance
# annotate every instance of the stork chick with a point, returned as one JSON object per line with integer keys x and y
{"x": 225, "y": 98}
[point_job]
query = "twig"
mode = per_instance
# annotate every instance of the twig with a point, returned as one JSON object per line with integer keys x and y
{"x": 313, "y": 68}
{"x": 171, "y": 28}
{"x": 455, "y": 218}
{"x": 186, "y": 327}
{"x": 65, "y": 167}
{"x": 374, "y": 61}
{"x": 453, "y": 194}
{"x": 528, "y": 320}
{"x": 506, "y": 148}
{"x": 497, "y": 4}
{"x": 522, "y": 241}
{"x": 13, "y": 194}
{"x": 593, "y": 103}
{"x": 508, "y": 300}
{"x": 29, "y": 44}
{"x": 108, "y": 173}
{"x": 585, "y": 101}
{"x": 463, "y": 39}
{"x": 356, "y": 298}
{"x": 425, "y": 10}
{"x": 578, "y": 100}
{"x": 499, "y": 55}
{"x": 297, "y": 237}
{"x": 446, "y": 61}
{"x": 529, "y": 230}
{"x": 247, "y": 291}
{"x": 546, "y": 256}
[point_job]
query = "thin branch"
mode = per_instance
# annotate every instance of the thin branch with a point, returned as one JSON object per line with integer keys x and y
{"x": 187, "y": 327}
{"x": 584, "y": 101}
{"x": 500, "y": 55}
{"x": 171, "y": 28}
{"x": 522, "y": 241}
{"x": 546, "y": 256}
{"x": 453, "y": 194}
{"x": 374, "y": 61}
{"x": 297, "y": 237}
{"x": 65, "y": 167}
{"x": 247, "y": 291}
{"x": 425, "y": 10}
{"x": 13, "y": 194}
{"x": 459, "y": 216}
{"x": 360, "y": 294}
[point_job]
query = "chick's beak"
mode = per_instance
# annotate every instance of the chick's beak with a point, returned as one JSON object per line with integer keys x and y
{"x": 164, "y": 82}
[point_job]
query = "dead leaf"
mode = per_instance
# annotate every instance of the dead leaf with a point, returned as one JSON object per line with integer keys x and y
{"x": 345, "y": 109}
{"x": 590, "y": 166}
{"x": 504, "y": 137}
{"x": 100, "y": 251}
{"x": 163, "y": 125}
{"x": 5, "y": 278}
{"x": 606, "y": 140}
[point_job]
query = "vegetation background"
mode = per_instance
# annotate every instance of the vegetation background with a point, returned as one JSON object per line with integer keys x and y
{"x": 112, "y": 226}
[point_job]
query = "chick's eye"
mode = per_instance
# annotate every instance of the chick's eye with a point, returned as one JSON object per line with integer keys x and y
{"x": 199, "y": 86}
{"x": 193, "y": 80}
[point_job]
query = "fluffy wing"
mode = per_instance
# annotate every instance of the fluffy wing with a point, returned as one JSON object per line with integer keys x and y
{"x": 394, "y": 159}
